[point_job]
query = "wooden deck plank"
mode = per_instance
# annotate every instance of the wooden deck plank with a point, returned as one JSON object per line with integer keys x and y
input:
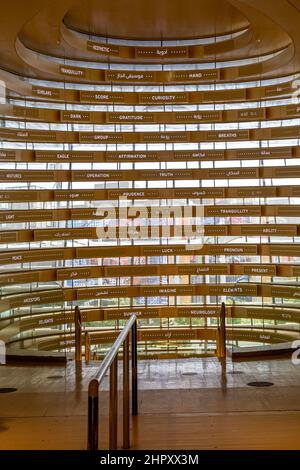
{"x": 177, "y": 411}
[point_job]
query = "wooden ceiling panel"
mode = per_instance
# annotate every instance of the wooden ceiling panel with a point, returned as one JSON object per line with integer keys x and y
{"x": 170, "y": 19}
{"x": 38, "y": 25}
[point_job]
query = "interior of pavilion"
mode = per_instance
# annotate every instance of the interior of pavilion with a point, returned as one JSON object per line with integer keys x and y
{"x": 150, "y": 224}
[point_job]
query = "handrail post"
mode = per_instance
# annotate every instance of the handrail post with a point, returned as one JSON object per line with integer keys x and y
{"x": 113, "y": 405}
{"x": 126, "y": 393}
{"x": 93, "y": 419}
{"x": 87, "y": 349}
{"x": 134, "y": 369}
{"x": 222, "y": 332}
{"x": 78, "y": 339}
{"x": 110, "y": 361}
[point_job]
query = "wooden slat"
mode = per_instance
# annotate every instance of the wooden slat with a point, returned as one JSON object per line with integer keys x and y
{"x": 65, "y": 233}
{"x": 12, "y": 134}
{"x": 88, "y": 272}
{"x": 230, "y": 249}
{"x": 147, "y": 156}
{"x": 134, "y": 175}
{"x": 28, "y": 113}
{"x": 135, "y": 193}
{"x": 99, "y": 292}
{"x": 209, "y": 211}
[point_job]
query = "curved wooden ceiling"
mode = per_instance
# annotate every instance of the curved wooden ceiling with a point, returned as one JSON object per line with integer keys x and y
{"x": 170, "y": 19}
{"x": 38, "y": 23}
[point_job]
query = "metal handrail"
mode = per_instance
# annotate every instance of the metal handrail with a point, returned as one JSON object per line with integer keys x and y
{"x": 111, "y": 362}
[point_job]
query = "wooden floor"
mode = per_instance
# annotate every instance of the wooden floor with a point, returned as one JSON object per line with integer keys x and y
{"x": 184, "y": 404}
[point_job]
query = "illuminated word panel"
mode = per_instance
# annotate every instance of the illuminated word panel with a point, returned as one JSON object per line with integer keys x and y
{"x": 196, "y": 334}
{"x": 242, "y": 289}
{"x": 45, "y": 136}
{"x": 44, "y": 320}
{"x": 238, "y": 192}
{"x": 229, "y": 249}
{"x": 283, "y": 210}
{"x": 87, "y": 272}
{"x": 187, "y": 117}
{"x": 82, "y": 156}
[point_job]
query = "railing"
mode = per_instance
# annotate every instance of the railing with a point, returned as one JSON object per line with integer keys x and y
{"x": 111, "y": 362}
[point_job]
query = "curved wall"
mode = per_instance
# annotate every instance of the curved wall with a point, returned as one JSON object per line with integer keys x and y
{"x": 154, "y": 177}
